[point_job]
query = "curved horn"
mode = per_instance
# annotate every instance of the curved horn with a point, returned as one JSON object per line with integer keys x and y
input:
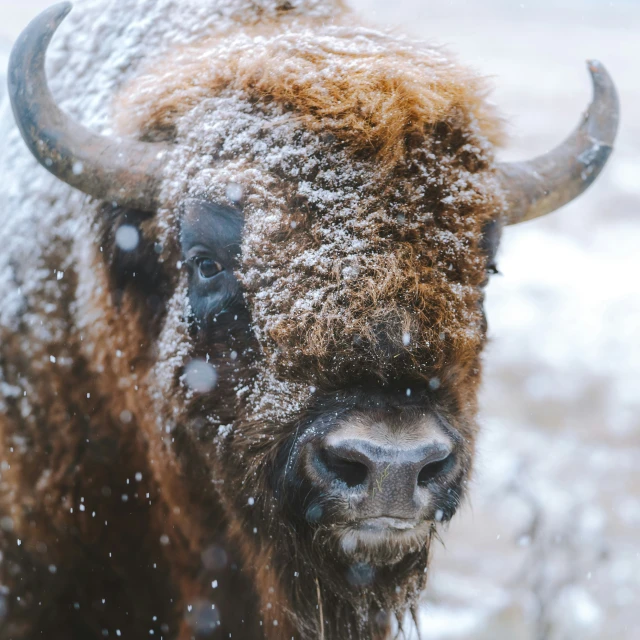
{"x": 117, "y": 170}
{"x": 546, "y": 183}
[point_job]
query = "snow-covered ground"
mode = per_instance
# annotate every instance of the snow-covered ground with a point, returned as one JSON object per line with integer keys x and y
{"x": 548, "y": 547}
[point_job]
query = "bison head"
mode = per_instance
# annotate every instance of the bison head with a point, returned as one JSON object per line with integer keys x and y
{"x": 314, "y": 211}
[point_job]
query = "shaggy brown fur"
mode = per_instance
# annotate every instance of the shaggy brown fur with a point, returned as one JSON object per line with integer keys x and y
{"x": 366, "y": 166}
{"x": 378, "y": 96}
{"x": 413, "y": 119}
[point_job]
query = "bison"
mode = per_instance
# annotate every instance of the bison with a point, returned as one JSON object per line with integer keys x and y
{"x": 241, "y": 332}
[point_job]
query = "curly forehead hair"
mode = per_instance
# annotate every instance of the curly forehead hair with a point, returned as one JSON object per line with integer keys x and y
{"x": 372, "y": 90}
{"x": 381, "y": 191}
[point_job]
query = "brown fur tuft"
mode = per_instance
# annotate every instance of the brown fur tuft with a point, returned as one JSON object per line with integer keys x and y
{"x": 377, "y": 98}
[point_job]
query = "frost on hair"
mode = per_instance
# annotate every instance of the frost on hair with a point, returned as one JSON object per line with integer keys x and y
{"x": 366, "y": 164}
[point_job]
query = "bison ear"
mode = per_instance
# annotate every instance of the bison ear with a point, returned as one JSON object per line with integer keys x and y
{"x": 489, "y": 244}
{"x": 537, "y": 187}
{"x": 118, "y": 170}
{"x": 132, "y": 258}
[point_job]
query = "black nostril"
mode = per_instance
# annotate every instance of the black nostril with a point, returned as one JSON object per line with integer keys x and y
{"x": 351, "y": 472}
{"x": 434, "y": 470}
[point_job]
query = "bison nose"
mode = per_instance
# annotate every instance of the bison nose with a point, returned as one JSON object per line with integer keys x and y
{"x": 379, "y": 479}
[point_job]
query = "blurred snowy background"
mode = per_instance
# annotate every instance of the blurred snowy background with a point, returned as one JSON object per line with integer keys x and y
{"x": 548, "y": 546}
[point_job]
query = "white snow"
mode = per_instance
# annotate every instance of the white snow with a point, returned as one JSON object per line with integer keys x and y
{"x": 127, "y": 237}
{"x": 200, "y": 376}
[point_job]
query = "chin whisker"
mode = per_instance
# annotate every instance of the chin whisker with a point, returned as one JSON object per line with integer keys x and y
{"x": 383, "y": 547}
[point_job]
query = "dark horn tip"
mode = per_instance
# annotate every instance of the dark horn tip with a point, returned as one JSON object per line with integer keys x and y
{"x": 595, "y": 66}
{"x": 51, "y": 18}
{"x": 600, "y": 77}
{"x": 54, "y": 15}
{"x": 605, "y": 107}
{"x": 41, "y": 28}
{"x": 61, "y": 10}
{"x": 45, "y": 24}
{"x": 26, "y": 64}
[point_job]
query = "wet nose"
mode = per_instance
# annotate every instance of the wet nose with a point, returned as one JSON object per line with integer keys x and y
{"x": 384, "y": 479}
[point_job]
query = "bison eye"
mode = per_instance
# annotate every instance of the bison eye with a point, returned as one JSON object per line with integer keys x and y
{"x": 207, "y": 268}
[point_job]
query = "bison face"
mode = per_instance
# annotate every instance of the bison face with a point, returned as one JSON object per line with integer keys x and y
{"x": 345, "y": 341}
{"x": 340, "y": 458}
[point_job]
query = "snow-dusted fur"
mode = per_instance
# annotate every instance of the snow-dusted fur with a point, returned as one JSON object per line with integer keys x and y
{"x": 129, "y": 501}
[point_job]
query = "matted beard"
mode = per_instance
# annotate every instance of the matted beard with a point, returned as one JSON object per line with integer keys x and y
{"x": 368, "y": 588}
{"x": 355, "y": 562}
{"x": 384, "y": 550}
{"x": 363, "y": 599}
